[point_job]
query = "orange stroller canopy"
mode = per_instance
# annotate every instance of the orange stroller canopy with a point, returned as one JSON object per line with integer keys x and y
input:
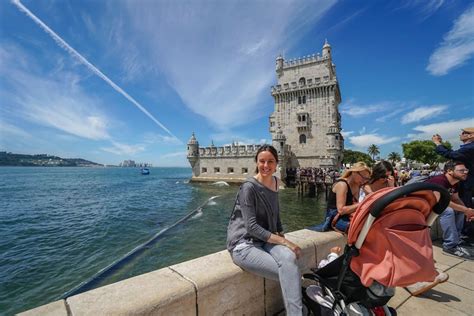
{"x": 397, "y": 250}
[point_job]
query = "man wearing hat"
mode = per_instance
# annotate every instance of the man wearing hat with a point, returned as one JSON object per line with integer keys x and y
{"x": 464, "y": 154}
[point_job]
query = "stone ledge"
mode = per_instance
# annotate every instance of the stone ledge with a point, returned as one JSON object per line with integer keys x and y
{"x": 161, "y": 292}
{"x": 209, "y": 285}
{"x": 57, "y": 308}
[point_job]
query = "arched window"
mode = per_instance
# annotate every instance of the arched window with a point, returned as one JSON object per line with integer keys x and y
{"x": 302, "y": 139}
{"x": 302, "y": 81}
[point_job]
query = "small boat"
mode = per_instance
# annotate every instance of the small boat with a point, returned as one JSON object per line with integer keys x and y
{"x": 145, "y": 171}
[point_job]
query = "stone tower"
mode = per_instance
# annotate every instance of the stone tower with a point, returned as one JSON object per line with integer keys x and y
{"x": 306, "y": 111}
{"x": 193, "y": 154}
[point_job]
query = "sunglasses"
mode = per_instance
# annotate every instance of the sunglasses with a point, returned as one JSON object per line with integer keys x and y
{"x": 363, "y": 177}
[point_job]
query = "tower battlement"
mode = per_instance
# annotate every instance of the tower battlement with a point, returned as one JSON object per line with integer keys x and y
{"x": 304, "y": 60}
{"x": 234, "y": 150}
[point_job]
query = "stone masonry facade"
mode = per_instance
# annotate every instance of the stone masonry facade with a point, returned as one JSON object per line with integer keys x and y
{"x": 305, "y": 125}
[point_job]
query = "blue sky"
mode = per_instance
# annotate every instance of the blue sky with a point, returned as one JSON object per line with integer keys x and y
{"x": 115, "y": 80}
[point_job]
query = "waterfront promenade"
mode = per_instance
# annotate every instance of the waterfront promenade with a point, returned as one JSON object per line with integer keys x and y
{"x": 454, "y": 297}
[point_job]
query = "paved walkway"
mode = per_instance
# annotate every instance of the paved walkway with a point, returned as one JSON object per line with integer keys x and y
{"x": 454, "y": 297}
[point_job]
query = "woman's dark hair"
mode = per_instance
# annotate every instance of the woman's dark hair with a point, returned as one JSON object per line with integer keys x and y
{"x": 379, "y": 170}
{"x": 266, "y": 147}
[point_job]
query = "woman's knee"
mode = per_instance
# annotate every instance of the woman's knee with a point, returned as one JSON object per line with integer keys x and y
{"x": 284, "y": 255}
{"x": 448, "y": 212}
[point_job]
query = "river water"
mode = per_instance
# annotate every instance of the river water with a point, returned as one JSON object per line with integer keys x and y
{"x": 60, "y": 226}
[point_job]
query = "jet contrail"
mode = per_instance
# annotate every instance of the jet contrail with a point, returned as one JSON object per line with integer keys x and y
{"x": 62, "y": 43}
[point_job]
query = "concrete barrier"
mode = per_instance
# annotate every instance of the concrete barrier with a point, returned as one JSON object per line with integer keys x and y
{"x": 209, "y": 285}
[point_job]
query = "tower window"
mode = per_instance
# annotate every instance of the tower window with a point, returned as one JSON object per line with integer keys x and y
{"x": 217, "y": 169}
{"x": 302, "y": 139}
{"x": 204, "y": 170}
{"x": 245, "y": 170}
{"x": 337, "y": 137}
{"x": 299, "y": 100}
{"x": 304, "y": 99}
{"x": 230, "y": 170}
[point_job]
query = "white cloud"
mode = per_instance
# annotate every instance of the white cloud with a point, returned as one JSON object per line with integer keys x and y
{"x": 54, "y": 102}
{"x": 227, "y": 64}
{"x": 364, "y": 141}
{"x": 426, "y": 8}
{"x": 448, "y": 130}
{"x": 457, "y": 46}
{"x": 346, "y": 134}
{"x": 423, "y": 113}
{"x": 124, "y": 149}
{"x": 9, "y": 130}
{"x": 357, "y": 110}
{"x": 152, "y": 138}
{"x": 178, "y": 154}
{"x": 229, "y": 137}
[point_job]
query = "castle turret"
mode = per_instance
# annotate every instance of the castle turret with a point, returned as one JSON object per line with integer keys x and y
{"x": 335, "y": 143}
{"x": 193, "y": 153}
{"x": 279, "y": 142}
{"x": 327, "y": 50}
{"x": 279, "y": 65}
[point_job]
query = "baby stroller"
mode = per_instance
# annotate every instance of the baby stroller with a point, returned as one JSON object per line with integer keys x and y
{"x": 388, "y": 245}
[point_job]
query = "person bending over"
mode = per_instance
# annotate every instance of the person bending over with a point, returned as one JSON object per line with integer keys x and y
{"x": 382, "y": 177}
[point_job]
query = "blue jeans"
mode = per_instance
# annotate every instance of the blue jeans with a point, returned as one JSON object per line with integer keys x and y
{"x": 451, "y": 222}
{"x": 274, "y": 262}
{"x": 343, "y": 223}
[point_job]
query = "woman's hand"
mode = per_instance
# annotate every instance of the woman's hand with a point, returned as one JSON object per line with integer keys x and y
{"x": 348, "y": 209}
{"x": 277, "y": 238}
{"x": 293, "y": 247}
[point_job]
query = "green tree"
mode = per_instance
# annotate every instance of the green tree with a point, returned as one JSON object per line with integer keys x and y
{"x": 393, "y": 157}
{"x": 373, "y": 151}
{"x": 423, "y": 151}
{"x": 353, "y": 156}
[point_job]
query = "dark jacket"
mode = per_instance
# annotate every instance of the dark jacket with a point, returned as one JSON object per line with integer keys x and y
{"x": 255, "y": 216}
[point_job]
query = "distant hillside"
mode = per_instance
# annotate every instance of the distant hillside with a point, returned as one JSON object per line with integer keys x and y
{"x": 10, "y": 159}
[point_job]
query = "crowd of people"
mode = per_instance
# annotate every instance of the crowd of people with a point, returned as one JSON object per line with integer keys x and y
{"x": 256, "y": 240}
{"x": 311, "y": 175}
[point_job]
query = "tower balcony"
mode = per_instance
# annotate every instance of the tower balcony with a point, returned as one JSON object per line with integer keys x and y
{"x": 302, "y": 126}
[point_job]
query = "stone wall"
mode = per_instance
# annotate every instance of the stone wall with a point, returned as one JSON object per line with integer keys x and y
{"x": 209, "y": 285}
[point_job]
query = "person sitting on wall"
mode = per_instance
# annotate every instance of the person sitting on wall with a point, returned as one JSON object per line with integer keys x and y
{"x": 343, "y": 198}
{"x": 255, "y": 236}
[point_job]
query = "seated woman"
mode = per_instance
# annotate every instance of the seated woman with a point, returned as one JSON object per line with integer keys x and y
{"x": 344, "y": 195}
{"x": 255, "y": 236}
{"x": 382, "y": 177}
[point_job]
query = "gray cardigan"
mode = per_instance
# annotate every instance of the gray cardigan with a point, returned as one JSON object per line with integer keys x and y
{"x": 255, "y": 216}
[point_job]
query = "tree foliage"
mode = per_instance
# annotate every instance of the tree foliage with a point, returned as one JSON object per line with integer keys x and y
{"x": 423, "y": 151}
{"x": 393, "y": 157}
{"x": 373, "y": 151}
{"x": 353, "y": 156}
